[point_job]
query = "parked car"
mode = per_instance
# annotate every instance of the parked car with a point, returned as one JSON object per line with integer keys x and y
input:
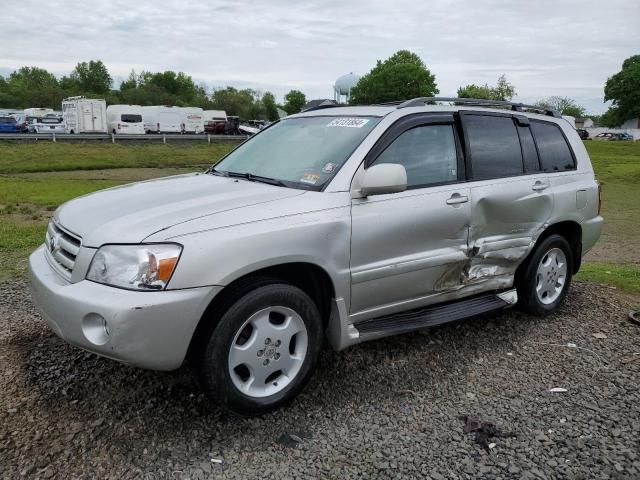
{"x": 215, "y": 127}
{"x": 47, "y": 124}
{"x": 583, "y": 134}
{"x": 162, "y": 119}
{"x": 623, "y": 137}
{"x": 9, "y": 125}
{"x": 347, "y": 224}
{"x": 191, "y": 120}
{"x": 23, "y": 122}
{"x": 125, "y": 119}
{"x": 604, "y": 136}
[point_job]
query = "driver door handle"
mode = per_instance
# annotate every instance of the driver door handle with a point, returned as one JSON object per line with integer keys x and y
{"x": 457, "y": 199}
{"x": 539, "y": 186}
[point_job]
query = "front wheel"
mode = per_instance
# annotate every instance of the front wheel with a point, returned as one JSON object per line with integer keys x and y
{"x": 544, "y": 280}
{"x": 263, "y": 351}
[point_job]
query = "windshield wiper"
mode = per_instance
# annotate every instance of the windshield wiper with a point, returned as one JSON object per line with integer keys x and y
{"x": 254, "y": 178}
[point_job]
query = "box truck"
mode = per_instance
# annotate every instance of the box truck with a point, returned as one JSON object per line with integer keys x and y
{"x": 161, "y": 119}
{"x": 192, "y": 120}
{"x": 125, "y": 119}
{"x": 84, "y": 115}
{"x": 36, "y": 112}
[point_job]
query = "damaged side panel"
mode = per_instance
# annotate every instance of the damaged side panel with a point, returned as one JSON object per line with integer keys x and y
{"x": 506, "y": 221}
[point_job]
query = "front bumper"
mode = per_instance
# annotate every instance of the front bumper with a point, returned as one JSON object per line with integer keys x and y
{"x": 146, "y": 329}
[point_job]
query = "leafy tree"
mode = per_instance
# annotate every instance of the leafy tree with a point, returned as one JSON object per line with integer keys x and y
{"x": 246, "y": 103}
{"x": 91, "y": 77}
{"x": 270, "y": 107}
{"x": 623, "y": 89}
{"x": 33, "y": 87}
{"x": 502, "y": 91}
{"x": 294, "y": 101}
{"x": 563, "y": 105}
{"x": 400, "y": 77}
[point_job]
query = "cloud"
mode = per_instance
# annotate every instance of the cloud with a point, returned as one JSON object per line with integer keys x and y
{"x": 544, "y": 47}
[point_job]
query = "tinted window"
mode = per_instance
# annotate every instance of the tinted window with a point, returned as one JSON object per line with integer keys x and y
{"x": 494, "y": 146}
{"x": 529, "y": 152}
{"x": 131, "y": 118}
{"x": 7, "y": 120}
{"x": 428, "y": 153}
{"x": 555, "y": 154}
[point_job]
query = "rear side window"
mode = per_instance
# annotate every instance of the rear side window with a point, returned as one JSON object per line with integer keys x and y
{"x": 494, "y": 146}
{"x": 555, "y": 154}
{"x": 428, "y": 154}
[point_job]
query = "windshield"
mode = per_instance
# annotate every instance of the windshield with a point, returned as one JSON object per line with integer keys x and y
{"x": 304, "y": 152}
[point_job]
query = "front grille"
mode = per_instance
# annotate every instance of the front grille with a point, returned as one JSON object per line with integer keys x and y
{"x": 63, "y": 247}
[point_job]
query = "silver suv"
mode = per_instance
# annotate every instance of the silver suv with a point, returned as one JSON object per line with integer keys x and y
{"x": 346, "y": 224}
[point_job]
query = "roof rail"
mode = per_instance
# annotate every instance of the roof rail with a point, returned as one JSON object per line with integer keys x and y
{"x": 479, "y": 102}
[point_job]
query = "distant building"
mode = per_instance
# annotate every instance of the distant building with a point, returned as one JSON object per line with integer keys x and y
{"x": 584, "y": 123}
{"x": 631, "y": 123}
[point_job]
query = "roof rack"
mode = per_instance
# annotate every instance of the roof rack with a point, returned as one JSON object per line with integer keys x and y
{"x": 479, "y": 102}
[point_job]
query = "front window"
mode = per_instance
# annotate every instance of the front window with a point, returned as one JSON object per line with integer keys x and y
{"x": 303, "y": 152}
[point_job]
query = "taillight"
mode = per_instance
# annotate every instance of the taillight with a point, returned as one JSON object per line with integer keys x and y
{"x": 158, "y": 126}
{"x": 118, "y": 126}
{"x": 599, "y": 197}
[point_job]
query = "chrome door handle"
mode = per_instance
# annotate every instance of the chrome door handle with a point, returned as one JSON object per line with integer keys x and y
{"x": 457, "y": 199}
{"x": 539, "y": 186}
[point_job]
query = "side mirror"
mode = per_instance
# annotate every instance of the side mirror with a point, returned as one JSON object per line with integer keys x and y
{"x": 383, "y": 178}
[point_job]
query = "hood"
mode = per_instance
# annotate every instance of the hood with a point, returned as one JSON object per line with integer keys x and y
{"x": 131, "y": 213}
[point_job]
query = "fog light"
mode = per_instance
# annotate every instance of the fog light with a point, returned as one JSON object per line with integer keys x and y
{"x": 95, "y": 328}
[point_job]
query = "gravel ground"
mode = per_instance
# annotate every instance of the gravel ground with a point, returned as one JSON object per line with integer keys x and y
{"x": 387, "y": 409}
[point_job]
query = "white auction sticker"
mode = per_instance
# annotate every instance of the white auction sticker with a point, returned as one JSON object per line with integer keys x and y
{"x": 348, "y": 122}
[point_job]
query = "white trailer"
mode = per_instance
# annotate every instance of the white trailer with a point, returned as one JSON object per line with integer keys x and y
{"x": 125, "y": 119}
{"x": 161, "y": 119}
{"x": 84, "y": 115}
{"x": 192, "y": 120}
{"x": 213, "y": 115}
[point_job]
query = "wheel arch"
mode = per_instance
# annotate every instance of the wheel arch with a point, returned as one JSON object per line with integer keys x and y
{"x": 571, "y": 231}
{"x": 309, "y": 277}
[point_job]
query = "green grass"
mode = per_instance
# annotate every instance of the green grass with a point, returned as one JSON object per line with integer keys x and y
{"x": 624, "y": 277}
{"x": 51, "y": 157}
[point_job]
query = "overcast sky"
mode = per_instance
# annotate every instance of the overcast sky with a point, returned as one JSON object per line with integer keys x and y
{"x": 545, "y": 47}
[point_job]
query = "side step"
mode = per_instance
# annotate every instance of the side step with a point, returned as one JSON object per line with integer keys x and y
{"x": 417, "y": 319}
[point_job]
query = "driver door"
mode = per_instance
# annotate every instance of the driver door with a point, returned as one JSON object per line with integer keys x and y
{"x": 408, "y": 248}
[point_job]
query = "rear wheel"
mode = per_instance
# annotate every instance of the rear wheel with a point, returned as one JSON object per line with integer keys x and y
{"x": 263, "y": 351}
{"x": 544, "y": 280}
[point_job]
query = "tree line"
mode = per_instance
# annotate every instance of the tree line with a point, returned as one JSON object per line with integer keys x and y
{"x": 36, "y": 87}
{"x": 402, "y": 76}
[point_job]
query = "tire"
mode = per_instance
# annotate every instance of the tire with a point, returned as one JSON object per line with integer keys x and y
{"x": 242, "y": 366}
{"x": 545, "y": 278}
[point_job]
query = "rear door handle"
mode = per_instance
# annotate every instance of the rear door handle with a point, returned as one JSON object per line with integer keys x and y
{"x": 457, "y": 199}
{"x": 539, "y": 186}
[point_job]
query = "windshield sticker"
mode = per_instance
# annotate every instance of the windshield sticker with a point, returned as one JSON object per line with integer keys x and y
{"x": 310, "y": 178}
{"x": 329, "y": 168}
{"x": 348, "y": 122}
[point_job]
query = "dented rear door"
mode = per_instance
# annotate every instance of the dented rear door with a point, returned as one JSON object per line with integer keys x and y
{"x": 511, "y": 201}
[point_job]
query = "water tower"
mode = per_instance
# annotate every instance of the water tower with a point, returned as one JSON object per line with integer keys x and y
{"x": 343, "y": 86}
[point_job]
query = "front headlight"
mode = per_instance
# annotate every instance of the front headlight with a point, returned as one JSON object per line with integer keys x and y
{"x": 137, "y": 267}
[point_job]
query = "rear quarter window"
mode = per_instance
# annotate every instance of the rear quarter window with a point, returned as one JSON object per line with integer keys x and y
{"x": 555, "y": 153}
